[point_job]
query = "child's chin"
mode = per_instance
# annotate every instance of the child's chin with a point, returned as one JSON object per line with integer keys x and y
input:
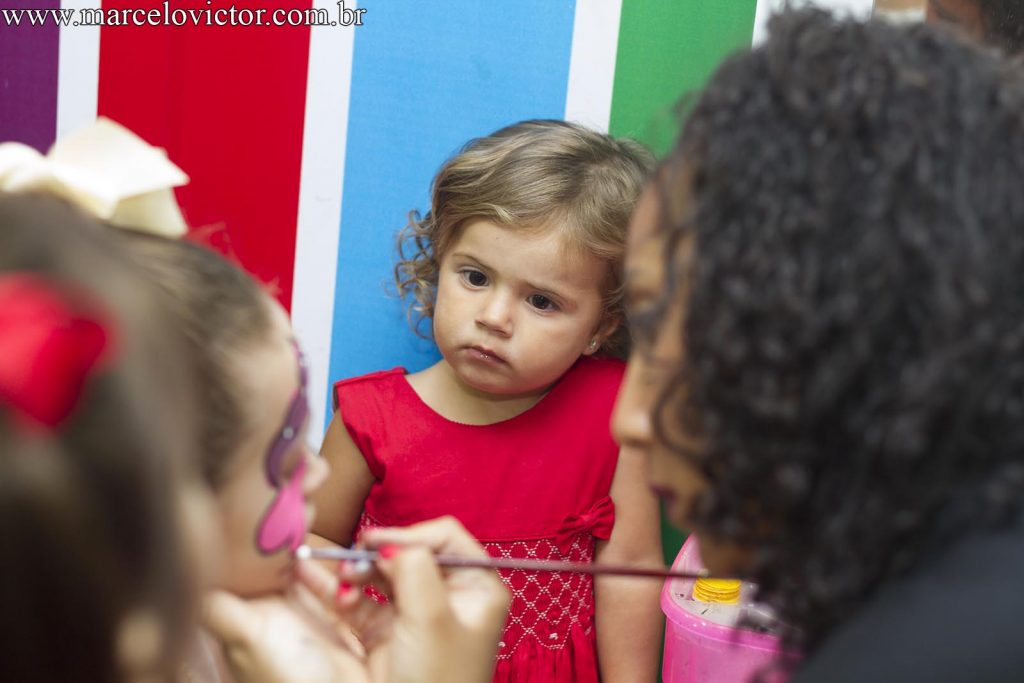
{"x": 501, "y": 386}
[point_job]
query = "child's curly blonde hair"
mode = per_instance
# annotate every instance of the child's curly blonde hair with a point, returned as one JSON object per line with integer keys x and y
{"x": 539, "y": 174}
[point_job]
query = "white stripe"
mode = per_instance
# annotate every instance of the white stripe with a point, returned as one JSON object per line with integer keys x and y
{"x": 323, "y": 168}
{"x": 595, "y": 41}
{"x": 765, "y": 8}
{"x": 78, "y": 71}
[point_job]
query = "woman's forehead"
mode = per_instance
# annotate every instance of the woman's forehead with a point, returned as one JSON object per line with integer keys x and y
{"x": 644, "y": 224}
{"x": 963, "y": 13}
{"x": 646, "y": 255}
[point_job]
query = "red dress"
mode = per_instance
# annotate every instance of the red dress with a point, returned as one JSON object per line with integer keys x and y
{"x": 534, "y": 486}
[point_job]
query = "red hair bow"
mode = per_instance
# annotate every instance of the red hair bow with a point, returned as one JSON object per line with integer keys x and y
{"x": 47, "y": 350}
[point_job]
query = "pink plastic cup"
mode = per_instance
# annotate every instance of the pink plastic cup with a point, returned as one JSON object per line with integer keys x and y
{"x": 701, "y": 651}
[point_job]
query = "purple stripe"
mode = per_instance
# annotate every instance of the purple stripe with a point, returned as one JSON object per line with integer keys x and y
{"x": 28, "y": 77}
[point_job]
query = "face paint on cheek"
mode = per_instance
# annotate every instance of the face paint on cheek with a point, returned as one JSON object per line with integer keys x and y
{"x": 298, "y": 411}
{"x": 284, "y": 524}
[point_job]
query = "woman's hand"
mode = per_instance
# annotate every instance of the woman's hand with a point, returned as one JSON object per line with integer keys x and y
{"x": 437, "y": 627}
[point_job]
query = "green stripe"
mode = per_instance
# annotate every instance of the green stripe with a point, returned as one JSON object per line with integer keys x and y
{"x": 668, "y": 48}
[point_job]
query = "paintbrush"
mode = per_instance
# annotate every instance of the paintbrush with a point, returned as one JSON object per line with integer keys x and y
{"x": 364, "y": 555}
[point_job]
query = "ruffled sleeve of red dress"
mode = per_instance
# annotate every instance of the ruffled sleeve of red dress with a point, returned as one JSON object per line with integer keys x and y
{"x": 362, "y": 402}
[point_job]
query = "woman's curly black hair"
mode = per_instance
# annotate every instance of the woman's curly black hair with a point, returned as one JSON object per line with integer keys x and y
{"x": 854, "y": 329}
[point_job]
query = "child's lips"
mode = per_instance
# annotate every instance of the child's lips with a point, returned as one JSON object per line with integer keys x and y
{"x": 482, "y": 353}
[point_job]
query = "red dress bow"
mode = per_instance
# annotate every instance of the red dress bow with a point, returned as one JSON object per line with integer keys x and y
{"x": 597, "y": 520}
{"x": 47, "y": 350}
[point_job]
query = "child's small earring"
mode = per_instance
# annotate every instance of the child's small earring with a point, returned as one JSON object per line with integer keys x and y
{"x": 592, "y": 345}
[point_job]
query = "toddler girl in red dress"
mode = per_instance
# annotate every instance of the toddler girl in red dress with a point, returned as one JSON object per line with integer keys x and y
{"x": 518, "y": 265}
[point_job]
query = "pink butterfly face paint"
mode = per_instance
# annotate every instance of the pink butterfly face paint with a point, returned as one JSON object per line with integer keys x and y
{"x": 298, "y": 411}
{"x": 284, "y": 523}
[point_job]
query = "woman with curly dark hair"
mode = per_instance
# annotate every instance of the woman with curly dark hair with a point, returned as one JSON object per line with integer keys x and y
{"x": 826, "y": 286}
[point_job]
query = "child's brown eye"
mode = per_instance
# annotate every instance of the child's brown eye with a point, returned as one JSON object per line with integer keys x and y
{"x": 541, "y": 302}
{"x": 474, "y": 277}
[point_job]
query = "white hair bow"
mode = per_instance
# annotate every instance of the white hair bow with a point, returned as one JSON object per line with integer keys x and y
{"x": 108, "y": 171}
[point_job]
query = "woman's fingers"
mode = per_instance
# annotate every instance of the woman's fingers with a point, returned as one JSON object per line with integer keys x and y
{"x": 317, "y": 578}
{"x": 228, "y": 618}
{"x": 441, "y": 625}
{"x": 358, "y": 611}
{"x": 445, "y": 627}
{"x": 420, "y": 594}
{"x": 442, "y": 535}
{"x": 476, "y": 597}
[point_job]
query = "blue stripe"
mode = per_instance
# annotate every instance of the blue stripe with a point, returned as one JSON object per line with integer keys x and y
{"x": 427, "y": 77}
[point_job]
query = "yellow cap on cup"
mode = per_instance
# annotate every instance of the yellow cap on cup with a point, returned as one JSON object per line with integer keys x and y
{"x": 723, "y": 591}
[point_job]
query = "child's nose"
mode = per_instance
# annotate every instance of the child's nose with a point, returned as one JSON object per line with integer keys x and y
{"x": 497, "y": 314}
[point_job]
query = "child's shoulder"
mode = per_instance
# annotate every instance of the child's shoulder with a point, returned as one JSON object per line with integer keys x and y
{"x": 373, "y": 377}
{"x": 366, "y": 385}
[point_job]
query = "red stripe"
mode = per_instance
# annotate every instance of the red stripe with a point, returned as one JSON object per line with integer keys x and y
{"x": 227, "y": 103}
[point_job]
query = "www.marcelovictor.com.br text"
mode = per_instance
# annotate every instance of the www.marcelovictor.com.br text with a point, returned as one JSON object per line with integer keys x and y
{"x": 170, "y": 15}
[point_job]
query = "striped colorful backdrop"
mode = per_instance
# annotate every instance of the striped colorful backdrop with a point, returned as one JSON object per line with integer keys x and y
{"x": 308, "y": 147}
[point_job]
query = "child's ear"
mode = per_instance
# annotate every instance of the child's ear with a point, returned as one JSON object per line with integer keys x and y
{"x": 601, "y": 334}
